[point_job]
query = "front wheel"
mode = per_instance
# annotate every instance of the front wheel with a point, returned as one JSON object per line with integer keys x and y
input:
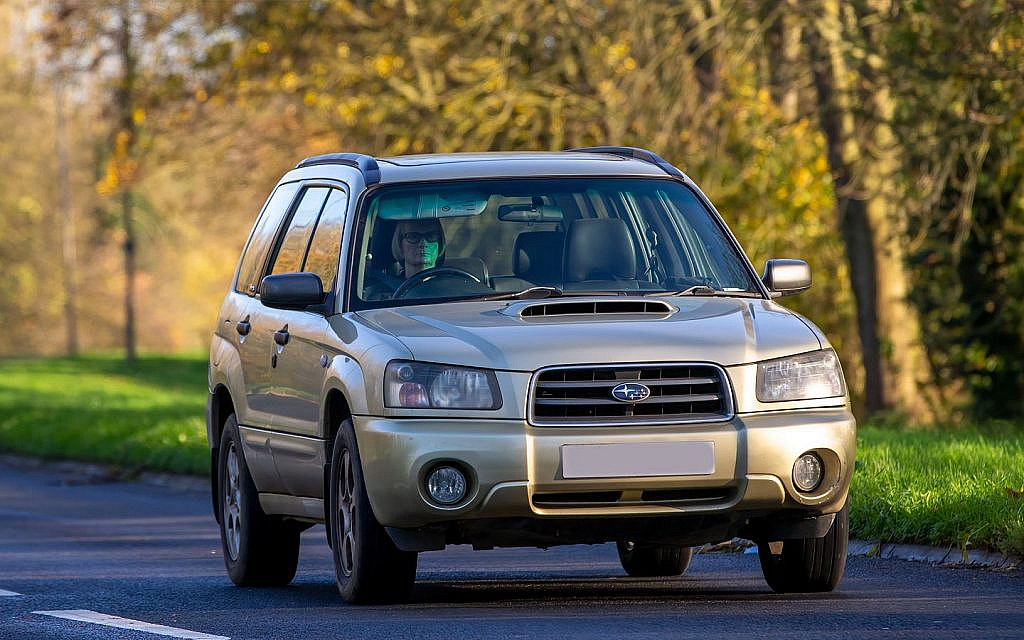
{"x": 650, "y": 560}
{"x": 810, "y": 564}
{"x": 259, "y": 550}
{"x": 367, "y": 564}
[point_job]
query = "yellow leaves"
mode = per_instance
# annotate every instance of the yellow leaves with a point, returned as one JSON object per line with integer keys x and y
{"x": 485, "y": 64}
{"x": 31, "y": 207}
{"x": 348, "y": 111}
{"x": 201, "y": 95}
{"x": 290, "y": 81}
{"x": 342, "y": 51}
{"x": 385, "y": 64}
{"x": 617, "y": 57}
{"x": 139, "y": 115}
{"x": 263, "y": 47}
{"x": 120, "y": 168}
{"x": 107, "y": 185}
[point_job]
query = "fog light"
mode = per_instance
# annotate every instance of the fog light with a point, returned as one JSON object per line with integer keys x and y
{"x": 446, "y": 485}
{"x": 808, "y": 472}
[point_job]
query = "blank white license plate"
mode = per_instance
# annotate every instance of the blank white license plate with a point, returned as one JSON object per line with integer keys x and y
{"x": 638, "y": 459}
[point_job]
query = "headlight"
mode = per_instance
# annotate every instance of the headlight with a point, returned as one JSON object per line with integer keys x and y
{"x": 803, "y": 377}
{"x": 415, "y": 385}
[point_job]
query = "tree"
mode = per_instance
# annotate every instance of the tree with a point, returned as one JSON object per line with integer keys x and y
{"x": 137, "y": 50}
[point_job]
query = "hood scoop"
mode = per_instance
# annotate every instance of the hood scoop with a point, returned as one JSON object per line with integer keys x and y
{"x": 591, "y": 308}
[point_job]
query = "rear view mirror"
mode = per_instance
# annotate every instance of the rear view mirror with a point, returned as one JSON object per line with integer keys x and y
{"x": 785, "y": 277}
{"x": 292, "y": 290}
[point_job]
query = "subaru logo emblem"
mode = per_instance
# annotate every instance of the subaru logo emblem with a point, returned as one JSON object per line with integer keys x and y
{"x": 631, "y": 392}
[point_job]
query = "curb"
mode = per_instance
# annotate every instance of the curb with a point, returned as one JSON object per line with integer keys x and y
{"x": 950, "y": 556}
{"x": 96, "y": 473}
{"x": 946, "y": 556}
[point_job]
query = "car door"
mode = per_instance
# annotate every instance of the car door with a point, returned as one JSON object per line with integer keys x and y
{"x": 252, "y": 328}
{"x": 303, "y": 347}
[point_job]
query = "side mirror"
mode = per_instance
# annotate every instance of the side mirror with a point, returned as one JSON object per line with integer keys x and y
{"x": 292, "y": 290}
{"x": 785, "y": 277}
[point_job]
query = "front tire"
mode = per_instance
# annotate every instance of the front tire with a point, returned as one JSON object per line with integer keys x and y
{"x": 368, "y": 566}
{"x": 642, "y": 560}
{"x": 259, "y": 550}
{"x": 808, "y": 565}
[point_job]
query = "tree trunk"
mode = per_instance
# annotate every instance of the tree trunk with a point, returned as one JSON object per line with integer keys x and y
{"x": 69, "y": 254}
{"x": 862, "y": 154}
{"x": 123, "y": 146}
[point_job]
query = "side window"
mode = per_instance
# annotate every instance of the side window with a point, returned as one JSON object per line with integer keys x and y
{"x": 300, "y": 227}
{"x": 326, "y": 245}
{"x": 262, "y": 237}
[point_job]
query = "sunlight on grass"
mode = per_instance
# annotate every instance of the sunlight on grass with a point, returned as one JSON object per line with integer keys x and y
{"x": 941, "y": 488}
{"x": 96, "y": 408}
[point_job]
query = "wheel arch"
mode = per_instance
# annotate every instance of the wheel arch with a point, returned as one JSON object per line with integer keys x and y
{"x": 336, "y": 409}
{"x": 219, "y": 407}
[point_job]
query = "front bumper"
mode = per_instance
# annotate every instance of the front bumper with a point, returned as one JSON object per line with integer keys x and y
{"x": 515, "y": 470}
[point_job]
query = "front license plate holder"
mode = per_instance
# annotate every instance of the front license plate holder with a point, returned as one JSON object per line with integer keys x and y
{"x": 638, "y": 459}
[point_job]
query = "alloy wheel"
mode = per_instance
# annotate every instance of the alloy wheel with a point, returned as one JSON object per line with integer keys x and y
{"x": 346, "y": 512}
{"x": 232, "y": 515}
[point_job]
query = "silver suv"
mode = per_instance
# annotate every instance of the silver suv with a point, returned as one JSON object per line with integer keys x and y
{"x": 518, "y": 349}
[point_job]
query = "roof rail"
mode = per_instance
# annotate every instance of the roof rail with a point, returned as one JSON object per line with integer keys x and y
{"x": 636, "y": 154}
{"x": 367, "y": 165}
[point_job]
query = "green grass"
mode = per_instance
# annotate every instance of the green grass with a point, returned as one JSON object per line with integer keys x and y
{"x": 946, "y": 488}
{"x": 926, "y": 487}
{"x": 96, "y": 408}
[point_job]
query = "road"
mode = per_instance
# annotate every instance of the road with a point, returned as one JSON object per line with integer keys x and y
{"x": 152, "y": 555}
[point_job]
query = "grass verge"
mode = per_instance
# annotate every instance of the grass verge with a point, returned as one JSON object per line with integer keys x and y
{"x": 959, "y": 488}
{"x": 96, "y": 408}
{"x": 950, "y": 488}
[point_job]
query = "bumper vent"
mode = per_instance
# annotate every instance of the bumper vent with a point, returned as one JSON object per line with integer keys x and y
{"x": 582, "y": 396}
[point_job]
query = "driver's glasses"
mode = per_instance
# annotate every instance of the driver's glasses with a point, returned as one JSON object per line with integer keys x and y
{"x": 412, "y": 237}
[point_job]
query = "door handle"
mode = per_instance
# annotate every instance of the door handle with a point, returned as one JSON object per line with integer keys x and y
{"x": 243, "y": 327}
{"x": 281, "y": 336}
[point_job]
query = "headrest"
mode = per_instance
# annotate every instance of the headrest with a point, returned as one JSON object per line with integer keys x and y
{"x": 599, "y": 249}
{"x": 537, "y": 256}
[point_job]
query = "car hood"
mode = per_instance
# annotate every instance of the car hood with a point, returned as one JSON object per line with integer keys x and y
{"x": 525, "y": 336}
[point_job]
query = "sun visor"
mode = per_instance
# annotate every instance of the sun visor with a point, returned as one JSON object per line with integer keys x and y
{"x": 444, "y": 204}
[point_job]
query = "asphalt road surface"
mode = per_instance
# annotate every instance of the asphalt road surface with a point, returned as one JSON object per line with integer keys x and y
{"x": 131, "y": 554}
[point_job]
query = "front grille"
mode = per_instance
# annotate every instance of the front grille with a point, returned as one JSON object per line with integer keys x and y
{"x": 582, "y": 395}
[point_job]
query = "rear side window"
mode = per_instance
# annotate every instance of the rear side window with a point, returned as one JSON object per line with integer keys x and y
{"x": 300, "y": 228}
{"x": 326, "y": 245}
{"x": 255, "y": 254}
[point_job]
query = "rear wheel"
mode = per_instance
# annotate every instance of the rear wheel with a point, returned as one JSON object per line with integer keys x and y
{"x": 649, "y": 560}
{"x": 259, "y": 550}
{"x": 367, "y": 564}
{"x": 809, "y": 564}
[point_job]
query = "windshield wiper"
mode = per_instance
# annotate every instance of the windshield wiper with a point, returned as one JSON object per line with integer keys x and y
{"x": 704, "y": 290}
{"x": 533, "y": 293}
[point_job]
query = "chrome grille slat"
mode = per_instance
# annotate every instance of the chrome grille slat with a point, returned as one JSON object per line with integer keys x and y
{"x": 611, "y": 383}
{"x": 581, "y": 395}
{"x": 707, "y": 397}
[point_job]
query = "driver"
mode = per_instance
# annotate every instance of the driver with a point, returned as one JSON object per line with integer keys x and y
{"x": 417, "y": 245}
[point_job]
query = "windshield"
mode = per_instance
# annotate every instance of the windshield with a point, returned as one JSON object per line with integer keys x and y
{"x": 566, "y": 236}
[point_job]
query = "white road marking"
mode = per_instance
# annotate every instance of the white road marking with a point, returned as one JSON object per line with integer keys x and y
{"x": 84, "y": 615}
{"x": 5, "y": 594}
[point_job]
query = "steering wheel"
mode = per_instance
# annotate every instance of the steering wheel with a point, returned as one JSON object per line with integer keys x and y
{"x": 427, "y": 275}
